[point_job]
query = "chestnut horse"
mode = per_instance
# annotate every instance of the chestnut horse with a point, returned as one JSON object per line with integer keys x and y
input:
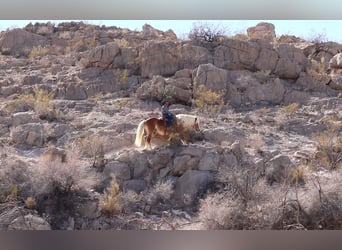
{"x": 159, "y": 126}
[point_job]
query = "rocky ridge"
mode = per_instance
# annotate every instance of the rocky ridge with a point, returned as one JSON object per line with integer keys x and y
{"x": 79, "y": 91}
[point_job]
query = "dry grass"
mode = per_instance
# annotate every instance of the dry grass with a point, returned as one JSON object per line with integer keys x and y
{"x": 110, "y": 203}
{"x": 329, "y": 148}
{"x": 209, "y": 101}
{"x": 123, "y": 43}
{"x": 290, "y": 109}
{"x": 92, "y": 146}
{"x": 39, "y": 51}
{"x": 298, "y": 175}
{"x": 121, "y": 76}
{"x": 318, "y": 70}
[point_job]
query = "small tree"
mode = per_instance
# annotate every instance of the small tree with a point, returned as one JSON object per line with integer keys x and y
{"x": 206, "y": 32}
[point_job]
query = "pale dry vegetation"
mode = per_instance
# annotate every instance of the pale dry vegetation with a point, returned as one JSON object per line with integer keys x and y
{"x": 39, "y": 51}
{"x": 246, "y": 204}
{"x": 110, "y": 202}
{"x": 209, "y": 101}
{"x": 92, "y": 147}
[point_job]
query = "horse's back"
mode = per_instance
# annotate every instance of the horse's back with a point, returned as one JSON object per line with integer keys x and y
{"x": 188, "y": 120}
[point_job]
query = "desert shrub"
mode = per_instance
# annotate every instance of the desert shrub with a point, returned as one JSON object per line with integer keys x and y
{"x": 121, "y": 76}
{"x": 92, "y": 147}
{"x": 15, "y": 179}
{"x": 206, "y": 32}
{"x": 97, "y": 97}
{"x": 329, "y": 147}
{"x": 317, "y": 37}
{"x": 240, "y": 36}
{"x": 209, "y": 101}
{"x": 110, "y": 203}
{"x": 38, "y": 52}
{"x": 160, "y": 192}
{"x": 54, "y": 175}
{"x": 326, "y": 211}
{"x": 298, "y": 175}
{"x": 121, "y": 102}
{"x": 225, "y": 211}
{"x": 43, "y": 105}
{"x": 123, "y": 43}
{"x": 219, "y": 212}
{"x": 318, "y": 70}
{"x": 290, "y": 109}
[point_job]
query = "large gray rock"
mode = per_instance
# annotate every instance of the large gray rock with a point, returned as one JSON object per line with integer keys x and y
{"x": 212, "y": 77}
{"x": 191, "y": 184}
{"x": 102, "y": 56}
{"x": 278, "y": 169}
{"x": 209, "y": 162}
{"x": 336, "y": 62}
{"x": 291, "y": 63}
{"x": 159, "y": 58}
{"x": 193, "y": 56}
{"x": 184, "y": 163}
{"x": 19, "y": 42}
{"x": 271, "y": 92}
{"x": 236, "y": 54}
{"x": 29, "y": 222}
{"x": 23, "y": 118}
{"x": 336, "y": 82}
{"x": 264, "y": 31}
{"x": 118, "y": 169}
{"x": 135, "y": 185}
{"x": 30, "y": 134}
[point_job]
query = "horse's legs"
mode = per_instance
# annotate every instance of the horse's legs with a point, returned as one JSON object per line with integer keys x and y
{"x": 148, "y": 138}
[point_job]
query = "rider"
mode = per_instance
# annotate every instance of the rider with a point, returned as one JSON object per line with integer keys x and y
{"x": 167, "y": 115}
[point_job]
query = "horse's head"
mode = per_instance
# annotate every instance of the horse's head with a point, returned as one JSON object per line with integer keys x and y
{"x": 195, "y": 126}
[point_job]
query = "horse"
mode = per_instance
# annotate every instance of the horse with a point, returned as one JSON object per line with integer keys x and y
{"x": 158, "y": 125}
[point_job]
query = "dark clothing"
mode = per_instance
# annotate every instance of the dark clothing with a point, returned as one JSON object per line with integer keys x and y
{"x": 167, "y": 115}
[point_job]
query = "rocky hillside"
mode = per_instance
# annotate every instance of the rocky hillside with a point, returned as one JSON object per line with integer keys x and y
{"x": 268, "y": 154}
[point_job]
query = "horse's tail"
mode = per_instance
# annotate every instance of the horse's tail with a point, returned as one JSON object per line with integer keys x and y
{"x": 140, "y": 133}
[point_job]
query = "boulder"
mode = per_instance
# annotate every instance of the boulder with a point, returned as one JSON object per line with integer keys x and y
{"x": 102, "y": 56}
{"x": 278, "y": 169}
{"x": 191, "y": 185}
{"x": 264, "y": 31}
{"x": 120, "y": 170}
{"x": 336, "y": 82}
{"x": 271, "y": 92}
{"x": 184, "y": 163}
{"x": 336, "y": 62}
{"x": 159, "y": 58}
{"x": 74, "y": 91}
{"x": 236, "y": 54}
{"x": 20, "y": 118}
{"x": 29, "y": 222}
{"x": 193, "y": 56}
{"x": 30, "y": 134}
{"x": 212, "y": 77}
{"x": 209, "y": 162}
{"x": 291, "y": 63}
{"x": 19, "y": 42}
{"x": 135, "y": 185}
